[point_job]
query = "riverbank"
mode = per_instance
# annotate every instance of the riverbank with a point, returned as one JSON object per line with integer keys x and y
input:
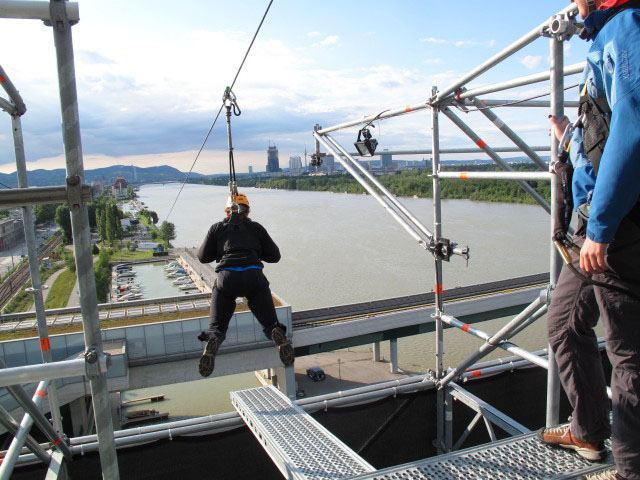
{"x": 417, "y": 183}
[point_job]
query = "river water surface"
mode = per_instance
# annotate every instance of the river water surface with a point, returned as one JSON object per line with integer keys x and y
{"x": 343, "y": 248}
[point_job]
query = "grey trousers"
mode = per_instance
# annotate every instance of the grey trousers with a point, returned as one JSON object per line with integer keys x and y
{"x": 575, "y": 309}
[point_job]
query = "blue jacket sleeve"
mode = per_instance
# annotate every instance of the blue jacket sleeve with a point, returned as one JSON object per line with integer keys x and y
{"x": 617, "y": 186}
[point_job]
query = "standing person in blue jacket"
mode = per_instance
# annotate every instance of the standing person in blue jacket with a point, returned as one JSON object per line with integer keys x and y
{"x": 240, "y": 245}
{"x": 605, "y": 153}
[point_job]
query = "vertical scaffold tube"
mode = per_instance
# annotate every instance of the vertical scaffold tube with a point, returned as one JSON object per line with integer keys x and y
{"x": 81, "y": 235}
{"x": 557, "y": 110}
{"x": 442, "y": 443}
{"x": 34, "y": 268}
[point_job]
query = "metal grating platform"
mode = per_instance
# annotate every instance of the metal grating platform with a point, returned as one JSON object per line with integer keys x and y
{"x": 300, "y": 447}
{"x": 523, "y": 458}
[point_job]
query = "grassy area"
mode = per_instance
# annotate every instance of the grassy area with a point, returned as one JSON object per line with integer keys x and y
{"x": 21, "y": 301}
{"x": 126, "y": 255}
{"x": 61, "y": 290}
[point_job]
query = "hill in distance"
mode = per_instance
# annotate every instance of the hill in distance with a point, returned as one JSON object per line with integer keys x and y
{"x": 106, "y": 176}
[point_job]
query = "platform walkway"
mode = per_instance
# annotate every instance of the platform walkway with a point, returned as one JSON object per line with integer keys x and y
{"x": 304, "y": 450}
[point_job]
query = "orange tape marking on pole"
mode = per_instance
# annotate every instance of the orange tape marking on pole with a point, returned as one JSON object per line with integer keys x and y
{"x": 40, "y": 393}
{"x": 465, "y": 327}
{"x": 408, "y": 109}
{"x": 57, "y": 442}
{"x": 2, "y": 79}
{"x": 477, "y": 373}
{"x": 481, "y": 144}
{"x": 438, "y": 289}
{"x": 463, "y": 175}
{"x": 45, "y": 345}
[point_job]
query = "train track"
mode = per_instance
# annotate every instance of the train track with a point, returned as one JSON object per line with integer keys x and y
{"x": 329, "y": 315}
{"x": 20, "y": 275}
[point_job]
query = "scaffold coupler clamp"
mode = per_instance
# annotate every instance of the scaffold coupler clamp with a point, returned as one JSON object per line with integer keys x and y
{"x": 563, "y": 26}
{"x": 74, "y": 190}
{"x": 442, "y": 249}
{"x": 460, "y": 103}
{"x": 96, "y": 362}
{"x": 316, "y": 159}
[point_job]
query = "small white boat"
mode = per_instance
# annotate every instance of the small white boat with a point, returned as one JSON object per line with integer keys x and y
{"x": 188, "y": 286}
{"x": 171, "y": 266}
{"x": 129, "y": 296}
{"x": 131, "y": 273}
{"x": 176, "y": 273}
{"x": 182, "y": 280}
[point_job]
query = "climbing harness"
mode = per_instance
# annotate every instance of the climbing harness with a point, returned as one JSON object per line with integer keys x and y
{"x": 594, "y": 119}
{"x": 231, "y": 104}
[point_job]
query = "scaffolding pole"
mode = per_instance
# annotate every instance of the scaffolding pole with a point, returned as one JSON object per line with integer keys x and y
{"x": 510, "y": 134}
{"x": 13, "y": 452}
{"x": 28, "y": 220}
{"x": 81, "y": 235}
{"x": 494, "y": 156}
{"x": 349, "y": 168}
{"x": 519, "y": 82}
{"x": 391, "y": 197}
{"x": 557, "y": 110}
{"x": 8, "y": 422}
{"x": 30, "y": 10}
{"x": 532, "y": 310}
{"x": 521, "y": 176}
{"x": 500, "y": 56}
{"x": 449, "y": 151}
{"x": 41, "y": 421}
{"x": 443, "y": 441}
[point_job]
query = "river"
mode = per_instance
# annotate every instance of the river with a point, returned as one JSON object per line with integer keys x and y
{"x": 343, "y": 248}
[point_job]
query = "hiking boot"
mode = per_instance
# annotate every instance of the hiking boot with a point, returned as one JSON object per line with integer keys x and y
{"x": 608, "y": 474}
{"x": 207, "y": 359}
{"x": 561, "y": 437}
{"x": 285, "y": 349}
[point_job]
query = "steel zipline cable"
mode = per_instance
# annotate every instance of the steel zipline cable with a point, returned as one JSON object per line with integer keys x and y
{"x": 231, "y": 164}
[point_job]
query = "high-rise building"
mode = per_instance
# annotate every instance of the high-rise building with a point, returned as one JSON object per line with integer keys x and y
{"x": 273, "y": 162}
{"x": 295, "y": 165}
{"x": 329, "y": 164}
{"x": 387, "y": 161}
{"x": 250, "y": 168}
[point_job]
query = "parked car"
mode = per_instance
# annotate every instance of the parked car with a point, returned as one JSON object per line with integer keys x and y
{"x": 316, "y": 374}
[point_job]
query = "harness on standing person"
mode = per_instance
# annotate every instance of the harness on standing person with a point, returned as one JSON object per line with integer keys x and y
{"x": 594, "y": 118}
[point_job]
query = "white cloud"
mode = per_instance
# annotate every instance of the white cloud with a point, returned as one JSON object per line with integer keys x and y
{"x": 474, "y": 43}
{"x": 313, "y": 34}
{"x": 531, "y": 61}
{"x": 459, "y": 43}
{"x": 432, "y": 61}
{"x": 330, "y": 40}
{"x": 440, "y": 41}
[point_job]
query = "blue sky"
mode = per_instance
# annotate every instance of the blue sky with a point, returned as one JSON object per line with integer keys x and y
{"x": 151, "y": 75}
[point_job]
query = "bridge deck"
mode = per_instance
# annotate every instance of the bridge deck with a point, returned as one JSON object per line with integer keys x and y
{"x": 299, "y": 446}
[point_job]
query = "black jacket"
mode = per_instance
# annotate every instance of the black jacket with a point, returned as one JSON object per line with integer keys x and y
{"x": 238, "y": 243}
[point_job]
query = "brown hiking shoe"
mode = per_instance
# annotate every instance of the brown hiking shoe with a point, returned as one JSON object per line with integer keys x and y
{"x": 609, "y": 474}
{"x": 561, "y": 437}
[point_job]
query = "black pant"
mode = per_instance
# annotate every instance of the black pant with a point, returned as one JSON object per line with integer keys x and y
{"x": 575, "y": 309}
{"x": 229, "y": 285}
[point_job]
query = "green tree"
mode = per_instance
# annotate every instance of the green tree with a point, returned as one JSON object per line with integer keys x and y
{"x": 167, "y": 231}
{"x": 110, "y": 225}
{"x": 103, "y": 275}
{"x": 45, "y": 213}
{"x": 63, "y": 219}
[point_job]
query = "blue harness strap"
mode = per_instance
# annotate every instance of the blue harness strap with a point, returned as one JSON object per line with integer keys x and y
{"x": 242, "y": 269}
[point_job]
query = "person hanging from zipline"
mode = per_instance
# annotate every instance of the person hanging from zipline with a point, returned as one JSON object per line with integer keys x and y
{"x": 240, "y": 245}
